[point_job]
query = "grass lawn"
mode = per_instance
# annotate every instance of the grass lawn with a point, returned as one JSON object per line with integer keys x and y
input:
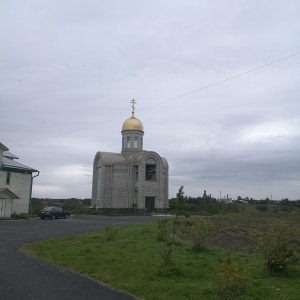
{"x": 132, "y": 261}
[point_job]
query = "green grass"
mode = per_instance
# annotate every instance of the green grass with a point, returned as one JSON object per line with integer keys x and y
{"x": 131, "y": 262}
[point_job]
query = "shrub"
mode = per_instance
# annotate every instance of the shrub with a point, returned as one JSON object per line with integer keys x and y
{"x": 187, "y": 214}
{"x": 231, "y": 278}
{"x": 263, "y": 208}
{"x": 275, "y": 248}
{"x": 232, "y": 207}
{"x": 20, "y": 216}
{"x": 110, "y": 232}
{"x": 286, "y": 208}
{"x": 36, "y": 207}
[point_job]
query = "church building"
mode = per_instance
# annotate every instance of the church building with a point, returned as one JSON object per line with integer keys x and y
{"x": 131, "y": 182}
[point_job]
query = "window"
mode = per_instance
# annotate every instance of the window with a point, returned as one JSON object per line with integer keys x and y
{"x": 8, "y": 175}
{"x": 98, "y": 185}
{"x": 136, "y": 173}
{"x": 150, "y": 172}
{"x": 128, "y": 142}
{"x": 135, "y": 145}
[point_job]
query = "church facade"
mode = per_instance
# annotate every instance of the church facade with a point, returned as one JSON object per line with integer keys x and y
{"x": 133, "y": 181}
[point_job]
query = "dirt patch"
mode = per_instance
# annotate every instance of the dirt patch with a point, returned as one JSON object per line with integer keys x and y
{"x": 240, "y": 232}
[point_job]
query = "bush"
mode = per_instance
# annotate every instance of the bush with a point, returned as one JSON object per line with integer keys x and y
{"x": 275, "y": 248}
{"x": 20, "y": 216}
{"x": 263, "y": 208}
{"x": 231, "y": 278}
{"x": 110, "y": 232}
{"x": 36, "y": 207}
{"x": 286, "y": 208}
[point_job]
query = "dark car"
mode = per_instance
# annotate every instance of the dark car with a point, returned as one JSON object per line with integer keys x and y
{"x": 53, "y": 213}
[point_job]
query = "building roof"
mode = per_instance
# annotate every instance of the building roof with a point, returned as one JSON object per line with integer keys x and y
{"x": 9, "y": 155}
{"x": 11, "y": 164}
{"x": 110, "y": 158}
{"x": 4, "y": 148}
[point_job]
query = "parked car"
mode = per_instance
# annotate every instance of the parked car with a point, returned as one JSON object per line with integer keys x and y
{"x": 53, "y": 213}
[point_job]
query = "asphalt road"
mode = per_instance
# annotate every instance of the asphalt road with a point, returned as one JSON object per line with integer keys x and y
{"x": 22, "y": 277}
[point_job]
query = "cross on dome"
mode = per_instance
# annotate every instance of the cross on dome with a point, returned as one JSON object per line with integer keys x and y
{"x": 133, "y": 102}
{"x": 133, "y": 123}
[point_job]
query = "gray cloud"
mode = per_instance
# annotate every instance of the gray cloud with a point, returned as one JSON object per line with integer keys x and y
{"x": 69, "y": 70}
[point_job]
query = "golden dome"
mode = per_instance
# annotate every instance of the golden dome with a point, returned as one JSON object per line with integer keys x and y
{"x": 133, "y": 124}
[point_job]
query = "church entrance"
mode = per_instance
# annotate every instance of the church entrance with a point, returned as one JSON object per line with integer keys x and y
{"x": 150, "y": 204}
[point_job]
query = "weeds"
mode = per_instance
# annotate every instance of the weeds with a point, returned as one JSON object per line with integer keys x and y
{"x": 166, "y": 256}
{"x": 275, "y": 248}
{"x": 200, "y": 232}
{"x": 110, "y": 232}
{"x": 162, "y": 230}
{"x": 231, "y": 278}
{"x": 20, "y": 216}
{"x": 168, "y": 268}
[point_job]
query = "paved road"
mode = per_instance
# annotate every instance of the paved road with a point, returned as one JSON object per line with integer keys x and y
{"x": 22, "y": 277}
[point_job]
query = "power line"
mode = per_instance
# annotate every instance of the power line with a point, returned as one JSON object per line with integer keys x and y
{"x": 221, "y": 81}
{"x": 169, "y": 100}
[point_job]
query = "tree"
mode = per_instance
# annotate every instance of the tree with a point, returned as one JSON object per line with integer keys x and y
{"x": 180, "y": 202}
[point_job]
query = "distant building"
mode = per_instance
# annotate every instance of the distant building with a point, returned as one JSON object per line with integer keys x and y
{"x": 15, "y": 184}
{"x": 133, "y": 181}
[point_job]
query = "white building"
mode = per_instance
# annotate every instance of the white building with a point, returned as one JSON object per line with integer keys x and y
{"x": 15, "y": 184}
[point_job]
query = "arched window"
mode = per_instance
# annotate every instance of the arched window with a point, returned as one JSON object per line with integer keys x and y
{"x": 150, "y": 169}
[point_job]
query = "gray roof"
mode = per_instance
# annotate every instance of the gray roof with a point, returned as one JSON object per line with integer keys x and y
{"x": 165, "y": 162}
{"x": 11, "y": 164}
{"x": 9, "y": 155}
{"x": 110, "y": 158}
{"x": 3, "y": 147}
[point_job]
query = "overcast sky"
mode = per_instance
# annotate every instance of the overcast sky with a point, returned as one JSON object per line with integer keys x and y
{"x": 69, "y": 70}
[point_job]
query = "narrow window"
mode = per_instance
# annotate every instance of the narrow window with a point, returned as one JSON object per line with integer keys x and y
{"x": 136, "y": 172}
{"x": 8, "y": 175}
{"x": 98, "y": 186}
{"x": 128, "y": 142}
{"x": 150, "y": 172}
{"x": 135, "y": 142}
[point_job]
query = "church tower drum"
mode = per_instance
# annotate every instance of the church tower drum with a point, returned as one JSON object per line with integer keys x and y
{"x": 132, "y": 133}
